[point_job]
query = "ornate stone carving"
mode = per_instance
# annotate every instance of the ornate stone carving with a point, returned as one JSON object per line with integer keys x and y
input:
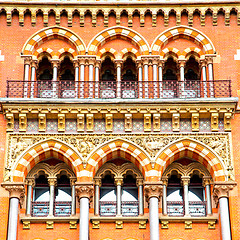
{"x": 214, "y": 122}
{"x": 22, "y": 122}
{"x": 119, "y": 224}
{"x": 61, "y": 122}
{"x": 164, "y": 224}
{"x": 175, "y": 122}
{"x": 42, "y": 122}
{"x": 188, "y": 224}
{"x": 195, "y": 122}
{"x": 73, "y": 224}
{"x": 84, "y": 147}
{"x": 128, "y": 122}
{"x": 26, "y": 224}
{"x": 156, "y": 122}
{"x": 221, "y": 189}
{"x": 95, "y": 224}
{"x": 49, "y": 224}
{"x": 147, "y": 122}
{"x": 10, "y": 122}
{"x": 153, "y": 190}
{"x": 84, "y": 190}
{"x": 109, "y": 122}
{"x": 142, "y": 224}
{"x": 212, "y": 224}
{"x": 227, "y": 121}
{"x": 90, "y": 122}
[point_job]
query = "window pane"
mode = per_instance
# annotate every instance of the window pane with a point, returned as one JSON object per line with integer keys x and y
{"x": 108, "y": 194}
{"x": 129, "y": 194}
{"x": 63, "y": 194}
{"x": 41, "y": 194}
{"x": 174, "y": 194}
{"x": 195, "y": 194}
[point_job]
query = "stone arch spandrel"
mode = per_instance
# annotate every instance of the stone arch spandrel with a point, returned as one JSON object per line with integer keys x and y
{"x": 43, "y": 150}
{"x": 195, "y": 150}
{"x": 119, "y": 148}
{"x": 53, "y": 32}
{"x": 163, "y": 38}
{"x": 123, "y": 32}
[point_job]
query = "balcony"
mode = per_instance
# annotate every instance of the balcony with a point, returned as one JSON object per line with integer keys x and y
{"x": 167, "y": 89}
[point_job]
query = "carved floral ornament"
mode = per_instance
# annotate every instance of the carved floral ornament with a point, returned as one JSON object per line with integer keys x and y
{"x": 84, "y": 190}
{"x": 150, "y": 144}
{"x": 153, "y": 190}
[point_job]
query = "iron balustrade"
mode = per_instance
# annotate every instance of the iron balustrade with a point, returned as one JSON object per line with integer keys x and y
{"x": 109, "y": 209}
{"x": 196, "y": 208}
{"x": 61, "y": 209}
{"x": 126, "y": 89}
{"x": 40, "y": 209}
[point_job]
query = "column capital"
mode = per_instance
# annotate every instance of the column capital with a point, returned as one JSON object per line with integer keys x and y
{"x": 34, "y": 63}
{"x": 118, "y": 62}
{"x": 82, "y": 60}
{"x": 98, "y": 181}
{"x": 221, "y": 189}
{"x": 16, "y": 190}
{"x": 165, "y": 180}
{"x": 52, "y": 181}
{"x": 139, "y": 182}
{"x": 91, "y": 60}
{"x": 155, "y": 60}
{"x": 84, "y": 190}
{"x": 30, "y": 181}
{"x": 206, "y": 181}
{"x": 203, "y": 62}
{"x": 153, "y": 189}
{"x": 139, "y": 63}
{"x": 185, "y": 180}
{"x": 146, "y": 60}
{"x": 118, "y": 181}
{"x": 209, "y": 60}
{"x": 55, "y": 62}
{"x": 181, "y": 63}
{"x": 75, "y": 63}
{"x": 73, "y": 181}
{"x": 27, "y": 59}
{"x": 98, "y": 63}
{"x": 161, "y": 63}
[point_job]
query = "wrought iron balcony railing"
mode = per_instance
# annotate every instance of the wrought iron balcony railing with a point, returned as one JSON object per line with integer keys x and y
{"x": 196, "y": 209}
{"x": 109, "y": 209}
{"x": 126, "y": 89}
{"x": 61, "y": 209}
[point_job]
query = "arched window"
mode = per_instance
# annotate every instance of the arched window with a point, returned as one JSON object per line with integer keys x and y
{"x": 119, "y": 194}
{"x": 53, "y": 193}
{"x": 183, "y": 185}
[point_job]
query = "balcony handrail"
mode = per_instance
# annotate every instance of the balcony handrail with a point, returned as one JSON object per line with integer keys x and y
{"x": 126, "y": 89}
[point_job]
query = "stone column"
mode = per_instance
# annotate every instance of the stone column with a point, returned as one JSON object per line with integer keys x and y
{"x": 221, "y": 195}
{"x": 52, "y": 181}
{"x": 140, "y": 196}
{"x": 55, "y": 64}
{"x": 210, "y": 75}
{"x": 152, "y": 192}
{"x": 119, "y": 182}
{"x": 76, "y": 66}
{"x": 185, "y": 182}
{"x": 155, "y": 62}
{"x": 164, "y": 198}
{"x": 204, "y": 77}
{"x": 16, "y": 195}
{"x": 82, "y": 61}
{"x": 33, "y": 75}
{"x": 91, "y": 63}
{"x": 97, "y": 66}
{"x": 140, "y": 78}
{"x": 145, "y": 62}
{"x": 27, "y": 62}
{"x": 98, "y": 183}
{"x": 182, "y": 93}
{"x": 30, "y": 185}
{"x": 160, "y": 78}
{"x": 118, "y": 66}
{"x": 73, "y": 209}
{"x": 84, "y": 194}
{"x": 206, "y": 184}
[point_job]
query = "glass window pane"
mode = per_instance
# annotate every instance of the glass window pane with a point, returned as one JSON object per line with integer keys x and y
{"x": 174, "y": 194}
{"x": 195, "y": 194}
{"x": 41, "y": 194}
{"x": 130, "y": 194}
{"x": 108, "y": 194}
{"x": 63, "y": 194}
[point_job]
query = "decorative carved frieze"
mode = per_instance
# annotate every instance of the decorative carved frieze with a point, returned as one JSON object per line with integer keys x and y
{"x": 156, "y": 122}
{"x": 222, "y": 189}
{"x": 128, "y": 122}
{"x": 147, "y": 122}
{"x": 214, "y": 121}
{"x": 175, "y": 122}
{"x": 109, "y": 122}
{"x": 10, "y": 122}
{"x": 22, "y": 122}
{"x": 153, "y": 190}
{"x": 195, "y": 122}
{"x": 42, "y": 122}
{"x": 227, "y": 122}
{"x": 61, "y": 122}
{"x": 90, "y": 122}
{"x": 84, "y": 190}
{"x": 80, "y": 122}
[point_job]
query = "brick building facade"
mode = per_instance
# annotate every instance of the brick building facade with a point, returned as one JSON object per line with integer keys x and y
{"x": 119, "y": 120}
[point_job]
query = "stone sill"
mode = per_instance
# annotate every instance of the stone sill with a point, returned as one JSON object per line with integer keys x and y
{"x": 119, "y": 218}
{"x": 45, "y": 219}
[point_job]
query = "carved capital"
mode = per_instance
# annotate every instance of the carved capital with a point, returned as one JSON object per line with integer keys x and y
{"x": 181, "y": 63}
{"x": 118, "y": 181}
{"x": 185, "y": 180}
{"x": 118, "y": 62}
{"x": 27, "y": 60}
{"x": 30, "y": 181}
{"x": 73, "y": 181}
{"x": 55, "y": 63}
{"x": 206, "y": 181}
{"x": 165, "y": 180}
{"x": 52, "y": 181}
{"x": 139, "y": 182}
{"x": 221, "y": 189}
{"x": 16, "y": 190}
{"x": 209, "y": 60}
{"x": 84, "y": 190}
{"x": 98, "y": 181}
{"x": 153, "y": 190}
{"x": 34, "y": 63}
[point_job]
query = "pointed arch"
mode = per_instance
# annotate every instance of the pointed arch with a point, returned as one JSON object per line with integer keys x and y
{"x": 53, "y": 32}
{"x": 133, "y": 51}
{"x": 106, "y": 50}
{"x": 122, "y": 32}
{"x": 169, "y": 50}
{"x": 188, "y": 32}
{"x": 192, "y": 149}
{"x": 42, "y": 151}
{"x": 119, "y": 148}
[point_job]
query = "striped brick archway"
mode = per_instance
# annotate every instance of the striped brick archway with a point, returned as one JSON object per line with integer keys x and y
{"x": 188, "y": 33}
{"x": 123, "y": 149}
{"x": 50, "y": 33}
{"x": 42, "y": 151}
{"x": 194, "y": 150}
{"x": 121, "y": 32}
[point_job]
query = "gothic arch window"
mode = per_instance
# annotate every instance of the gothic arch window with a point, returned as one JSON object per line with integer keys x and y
{"x": 186, "y": 189}
{"x": 118, "y": 190}
{"x": 53, "y": 186}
